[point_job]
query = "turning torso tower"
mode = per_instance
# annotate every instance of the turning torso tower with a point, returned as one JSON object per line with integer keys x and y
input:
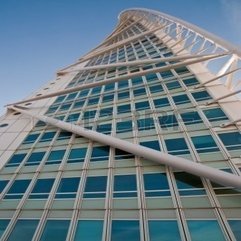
{"x": 139, "y": 140}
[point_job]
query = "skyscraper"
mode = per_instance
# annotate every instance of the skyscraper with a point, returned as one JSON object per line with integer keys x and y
{"x": 138, "y": 140}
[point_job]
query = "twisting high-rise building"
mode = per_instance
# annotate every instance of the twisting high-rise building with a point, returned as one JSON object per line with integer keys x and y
{"x": 138, "y": 140}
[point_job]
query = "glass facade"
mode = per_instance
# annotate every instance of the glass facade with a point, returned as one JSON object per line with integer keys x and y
{"x": 60, "y": 186}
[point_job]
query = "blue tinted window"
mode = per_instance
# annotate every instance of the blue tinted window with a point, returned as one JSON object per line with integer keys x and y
{"x": 93, "y": 101}
{"x": 231, "y": 140}
{"x": 123, "y": 108}
{"x": 156, "y": 184}
{"x": 96, "y": 90}
{"x": 60, "y": 98}
{"x": 190, "y": 82}
{"x": 182, "y": 70}
{"x": 23, "y": 230}
{"x": 123, "y": 95}
{"x": 140, "y": 91}
{"x": 209, "y": 229}
{"x": 17, "y": 189}
{"x": 71, "y": 96}
{"x": 55, "y": 230}
{"x": 161, "y": 102}
{"x": 78, "y": 104}
{"x": 108, "y": 98}
{"x": 204, "y": 144}
{"x": 142, "y": 105}
{"x": 55, "y": 157}
{"x": 95, "y": 187}
{"x": 181, "y": 99}
{"x": 110, "y": 86}
{"x": 64, "y": 107}
{"x": 125, "y": 230}
{"x": 73, "y": 117}
{"x": 151, "y": 144}
{"x": 177, "y": 146}
{"x": 48, "y": 136}
{"x": 123, "y": 126}
{"x": 166, "y": 74}
{"x": 64, "y": 135}
{"x": 236, "y": 228}
{"x": 168, "y": 121}
{"x": 104, "y": 128}
{"x": 68, "y": 187}
{"x": 215, "y": 114}
{"x": 77, "y": 155}
{"x": 189, "y": 184}
{"x": 163, "y": 230}
{"x": 3, "y": 184}
{"x": 35, "y": 158}
{"x": 202, "y": 95}
{"x": 106, "y": 112}
{"x": 89, "y": 114}
{"x": 123, "y": 84}
{"x": 173, "y": 85}
{"x": 15, "y": 160}
{"x": 42, "y": 188}
{"x": 3, "y": 225}
{"x": 190, "y": 118}
{"x": 52, "y": 109}
{"x": 31, "y": 138}
{"x": 137, "y": 80}
{"x": 119, "y": 154}
{"x": 145, "y": 124}
{"x": 125, "y": 186}
{"x": 89, "y": 230}
{"x": 100, "y": 153}
{"x": 151, "y": 77}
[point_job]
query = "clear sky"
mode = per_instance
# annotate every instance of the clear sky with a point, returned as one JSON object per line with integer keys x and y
{"x": 38, "y": 37}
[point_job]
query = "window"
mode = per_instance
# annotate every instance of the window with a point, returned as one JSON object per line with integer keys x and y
{"x": 124, "y": 126}
{"x": 140, "y": 91}
{"x": 3, "y": 225}
{"x": 125, "y": 230}
{"x": 173, "y": 85}
{"x": 151, "y": 77}
{"x": 68, "y": 187}
{"x": 55, "y": 230}
{"x": 31, "y": 138}
{"x": 123, "y": 84}
{"x": 77, "y": 155}
{"x": 89, "y": 230}
{"x": 95, "y": 187}
{"x": 188, "y": 184}
{"x": 190, "y": 82}
{"x": 55, "y": 157}
{"x": 3, "y": 184}
{"x": 231, "y": 140}
{"x": 145, "y": 124}
{"x": 137, "y": 81}
{"x": 125, "y": 186}
{"x": 100, "y": 153}
{"x": 181, "y": 99}
{"x": 177, "y": 146}
{"x": 71, "y": 96}
{"x": 64, "y": 107}
{"x": 96, "y": 90}
{"x": 64, "y": 135}
{"x": 190, "y": 118}
{"x": 104, "y": 128}
{"x": 52, "y": 109}
{"x": 42, "y": 188}
{"x": 156, "y": 88}
{"x": 78, "y": 104}
{"x": 166, "y": 74}
{"x": 106, "y": 112}
{"x": 205, "y": 228}
{"x": 47, "y": 136}
{"x": 93, "y": 101}
{"x": 15, "y": 160}
{"x": 204, "y": 144}
{"x": 89, "y": 114}
{"x": 201, "y": 95}
{"x": 156, "y": 184}
{"x": 142, "y": 105}
{"x": 73, "y": 117}
{"x": 35, "y": 158}
{"x": 110, "y": 86}
{"x": 168, "y": 121}
{"x": 108, "y": 98}
{"x": 215, "y": 114}
{"x": 23, "y": 230}
{"x": 151, "y": 144}
{"x": 17, "y": 189}
{"x": 60, "y": 98}
{"x": 182, "y": 70}
{"x": 236, "y": 228}
{"x": 123, "y": 95}
{"x": 163, "y": 230}
{"x": 161, "y": 102}
{"x": 123, "y": 108}
{"x": 119, "y": 154}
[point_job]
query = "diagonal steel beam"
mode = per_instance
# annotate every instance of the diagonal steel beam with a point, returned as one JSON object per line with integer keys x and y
{"x": 117, "y": 79}
{"x": 215, "y": 175}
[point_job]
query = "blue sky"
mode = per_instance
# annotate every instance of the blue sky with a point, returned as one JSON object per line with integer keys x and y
{"x": 39, "y": 37}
